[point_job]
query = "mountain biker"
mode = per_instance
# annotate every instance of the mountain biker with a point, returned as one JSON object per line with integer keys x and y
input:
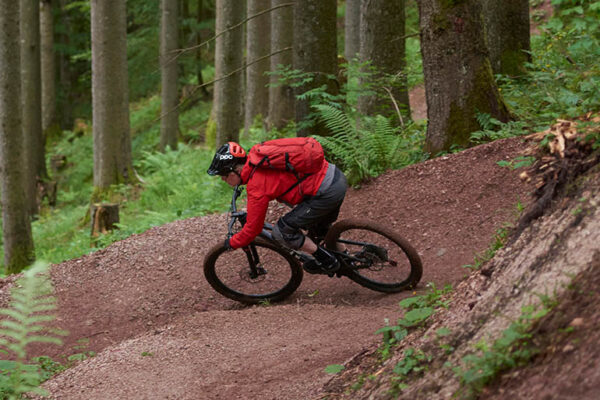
{"x": 316, "y": 199}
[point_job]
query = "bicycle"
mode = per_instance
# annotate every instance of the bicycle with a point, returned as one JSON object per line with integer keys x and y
{"x": 369, "y": 253}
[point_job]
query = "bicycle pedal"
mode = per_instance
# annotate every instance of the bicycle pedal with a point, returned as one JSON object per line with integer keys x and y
{"x": 311, "y": 268}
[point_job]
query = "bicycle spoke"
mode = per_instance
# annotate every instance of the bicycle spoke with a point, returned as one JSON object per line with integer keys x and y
{"x": 233, "y": 269}
{"x": 375, "y": 256}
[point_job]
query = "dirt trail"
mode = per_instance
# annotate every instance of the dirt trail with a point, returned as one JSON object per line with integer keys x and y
{"x": 162, "y": 333}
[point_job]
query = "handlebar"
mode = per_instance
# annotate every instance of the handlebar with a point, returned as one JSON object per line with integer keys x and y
{"x": 241, "y": 215}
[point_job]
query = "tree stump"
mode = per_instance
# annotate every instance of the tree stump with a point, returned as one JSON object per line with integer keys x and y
{"x": 58, "y": 162}
{"x": 104, "y": 217}
{"x": 46, "y": 190}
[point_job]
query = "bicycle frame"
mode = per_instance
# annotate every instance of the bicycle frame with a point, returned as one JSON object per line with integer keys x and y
{"x": 241, "y": 217}
{"x": 270, "y": 271}
{"x": 348, "y": 261}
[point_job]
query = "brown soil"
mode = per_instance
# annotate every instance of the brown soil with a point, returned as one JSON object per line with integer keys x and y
{"x": 567, "y": 366}
{"x": 160, "y": 332}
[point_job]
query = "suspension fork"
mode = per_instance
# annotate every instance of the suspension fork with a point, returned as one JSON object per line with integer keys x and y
{"x": 253, "y": 261}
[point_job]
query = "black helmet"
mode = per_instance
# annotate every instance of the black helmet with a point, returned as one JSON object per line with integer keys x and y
{"x": 226, "y": 158}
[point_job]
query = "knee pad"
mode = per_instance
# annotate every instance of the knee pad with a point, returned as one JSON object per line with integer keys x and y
{"x": 287, "y": 236}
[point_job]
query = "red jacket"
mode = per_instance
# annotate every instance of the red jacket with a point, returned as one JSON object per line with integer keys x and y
{"x": 265, "y": 185}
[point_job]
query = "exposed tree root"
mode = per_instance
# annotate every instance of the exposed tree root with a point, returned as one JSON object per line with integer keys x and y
{"x": 563, "y": 154}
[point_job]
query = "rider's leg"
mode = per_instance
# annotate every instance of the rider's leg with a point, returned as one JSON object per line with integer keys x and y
{"x": 309, "y": 246}
{"x": 316, "y": 213}
{"x": 291, "y": 236}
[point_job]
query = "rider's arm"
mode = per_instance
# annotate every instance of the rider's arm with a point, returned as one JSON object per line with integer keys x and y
{"x": 257, "y": 210}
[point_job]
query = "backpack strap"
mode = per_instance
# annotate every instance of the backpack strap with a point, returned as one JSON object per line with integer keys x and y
{"x": 290, "y": 168}
{"x": 256, "y": 167}
{"x": 299, "y": 181}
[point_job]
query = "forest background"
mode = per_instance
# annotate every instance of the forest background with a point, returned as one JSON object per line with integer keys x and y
{"x": 557, "y": 77}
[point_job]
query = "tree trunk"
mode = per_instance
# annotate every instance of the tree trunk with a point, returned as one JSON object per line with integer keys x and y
{"x": 65, "y": 70}
{"x": 458, "y": 76}
{"x": 110, "y": 99}
{"x": 16, "y": 226}
{"x": 315, "y": 51}
{"x": 47, "y": 67}
{"x": 169, "y": 121}
{"x": 507, "y": 31}
{"x": 382, "y": 43}
{"x": 228, "y": 58}
{"x": 352, "y": 29}
{"x": 31, "y": 95}
{"x": 105, "y": 217}
{"x": 281, "y": 96}
{"x": 258, "y": 44}
{"x": 184, "y": 34}
{"x": 198, "y": 53}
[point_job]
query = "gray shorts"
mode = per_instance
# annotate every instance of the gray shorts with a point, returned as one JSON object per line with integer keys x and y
{"x": 316, "y": 214}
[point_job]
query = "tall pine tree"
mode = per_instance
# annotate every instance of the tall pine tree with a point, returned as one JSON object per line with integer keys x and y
{"x": 458, "y": 75}
{"x": 16, "y": 225}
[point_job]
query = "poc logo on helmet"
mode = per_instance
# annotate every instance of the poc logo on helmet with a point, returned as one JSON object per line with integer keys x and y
{"x": 225, "y": 157}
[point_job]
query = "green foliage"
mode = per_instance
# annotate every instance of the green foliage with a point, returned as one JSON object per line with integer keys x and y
{"x": 175, "y": 185}
{"x": 48, "y": 367}
{"x": 26, "y": 322}
{"x": 413, "y": 362}
{"x": 440, "y": 334}
{"x": 518, "y": 162}
{"x": 355, "y": 72}
{"x": 334, "y": 368}
{"x": 192, "y": 125}
{"x": 410, "y": 362}
{"x": 257, "y": 133}
{"x": 433, "y": 298}
{"x": 73, "y": 44}
{"x": 498, "y": 242}
{"x": 365, "y": 147}
{"x": 414, "y": 61}
{"x": 414, "y": 66}
{"x": 512, "y": 349}
{"x": 417, "y": 310}
{"x": 493, "y": 129}
{"x": 145, "y": 126}
{"x": 564, "y": 75}
{"x": 143, "y": 47}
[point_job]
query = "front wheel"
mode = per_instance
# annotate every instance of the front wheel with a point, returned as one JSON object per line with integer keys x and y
{"x": 375, "y": 256}
{"x": 261, "y": 272}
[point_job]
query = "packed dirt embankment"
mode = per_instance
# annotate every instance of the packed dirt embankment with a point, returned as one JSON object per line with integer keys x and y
{"x": 160, "y": 332}
{"x": 526, "y": 323}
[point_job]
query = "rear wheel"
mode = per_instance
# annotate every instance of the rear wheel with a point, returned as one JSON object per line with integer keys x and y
{"x": 262, "y": 272}
{"x": 378, "y": 258}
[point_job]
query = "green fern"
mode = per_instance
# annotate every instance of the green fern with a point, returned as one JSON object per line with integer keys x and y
{"x": 365, "y": 147}
{"x": 27, "y": 322}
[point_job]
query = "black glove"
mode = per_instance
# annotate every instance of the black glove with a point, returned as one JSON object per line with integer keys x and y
{"x": 227, "y": 245}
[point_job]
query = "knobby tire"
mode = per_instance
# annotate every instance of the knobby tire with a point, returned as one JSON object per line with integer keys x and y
{"x": 409, "y": 267}
{"x": 215, "y": 274}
